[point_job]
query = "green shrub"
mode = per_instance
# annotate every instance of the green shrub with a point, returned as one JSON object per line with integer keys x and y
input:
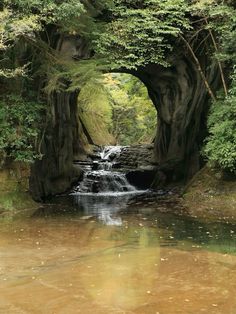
{"x": 220, "y": 147}
{"x": 19, "y": 128}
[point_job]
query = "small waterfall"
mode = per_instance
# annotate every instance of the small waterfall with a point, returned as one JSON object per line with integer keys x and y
{"x": 110, "y": 151}
{"x": 105, "y": 166}
{"x": 103, "y": 191}
{"x": 105, "y": 182}
{"x": 102, "y": 179}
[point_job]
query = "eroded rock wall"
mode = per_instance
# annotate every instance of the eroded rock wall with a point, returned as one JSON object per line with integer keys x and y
{"x": 64, "y": 137}
{"x": 54, "y": 173}
{"x": 182, "y": 102}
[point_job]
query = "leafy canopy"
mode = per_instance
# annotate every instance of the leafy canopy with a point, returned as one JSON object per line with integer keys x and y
{"x": 142, "y": 32}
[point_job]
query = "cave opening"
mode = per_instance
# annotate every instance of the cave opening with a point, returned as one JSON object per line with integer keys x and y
{"x": 117, "y": 110}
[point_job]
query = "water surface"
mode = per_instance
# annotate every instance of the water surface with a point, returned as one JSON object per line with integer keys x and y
{"x": 66, "y": 259}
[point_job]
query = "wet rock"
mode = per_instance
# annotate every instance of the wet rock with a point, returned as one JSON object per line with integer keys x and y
{"x": 138, "y": 156}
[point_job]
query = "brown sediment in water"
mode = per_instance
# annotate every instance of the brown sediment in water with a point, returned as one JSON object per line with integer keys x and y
{"x": 63, "y": 266}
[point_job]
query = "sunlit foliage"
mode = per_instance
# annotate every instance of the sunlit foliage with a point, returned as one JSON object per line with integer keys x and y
{"x": 141, "y": 32}
{"x": 117, "y": 109}
{"x": 134, "y": 117}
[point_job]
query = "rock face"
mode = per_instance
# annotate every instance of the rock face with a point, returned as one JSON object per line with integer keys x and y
{"x": 181, "y": 100}
{"x": 138, "y": 164}
{"x": 55, "y": 172}
{"x": 137, "y": 156}
{"x": 64, "y": 137}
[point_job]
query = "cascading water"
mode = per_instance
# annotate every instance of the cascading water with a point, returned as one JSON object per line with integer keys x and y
{"x": 103, "y": 191}
{"x": 105, "y": 182}
{"x": 108, "y": 151}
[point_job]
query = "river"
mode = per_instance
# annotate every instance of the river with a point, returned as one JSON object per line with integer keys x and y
{"x": 80, "y": 254}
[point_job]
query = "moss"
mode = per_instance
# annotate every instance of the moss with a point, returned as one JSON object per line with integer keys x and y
{"x": 15, "y": 201}
{"x": 211, "y": 195}
{"x": 14, "y": 195}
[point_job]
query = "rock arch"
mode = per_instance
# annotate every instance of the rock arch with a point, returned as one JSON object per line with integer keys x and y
{"x": 181, "y": 100}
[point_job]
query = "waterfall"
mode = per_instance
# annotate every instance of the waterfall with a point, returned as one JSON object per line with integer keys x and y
{"x": 102, "y": 179}
{"x": 105, "y": 182}
{"x": 103, "y": 190}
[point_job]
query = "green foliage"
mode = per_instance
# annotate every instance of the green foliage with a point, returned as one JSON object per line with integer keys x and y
{"x": 95, "y": 112}
{"x": 62, "y": 13}
{"x": 220, "y": 18}
{"x": 117, "y": 109}
{"x": 220, "y": 148}
{"x": 142, "y": 32}
{"x": 19, "y": 128}
{"x": 73, "y": 76}
{"x": 12, "y": 29}
{"x": 27, "y": 22}
{"x": 134, "y": 117}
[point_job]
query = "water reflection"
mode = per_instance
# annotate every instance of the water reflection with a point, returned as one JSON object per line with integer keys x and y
{"x": 152, "y": 263}
{"x": 104, "y": 207}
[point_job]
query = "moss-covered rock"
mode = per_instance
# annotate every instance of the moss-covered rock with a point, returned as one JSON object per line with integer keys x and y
{"x": 14, "y": 195}
{"x": 211, "y": 195}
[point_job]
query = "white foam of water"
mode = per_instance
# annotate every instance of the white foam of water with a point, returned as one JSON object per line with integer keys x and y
{"x": 112, "y": 194}
{"x": 102, "y": 181}
{"x": 108, "y": 150}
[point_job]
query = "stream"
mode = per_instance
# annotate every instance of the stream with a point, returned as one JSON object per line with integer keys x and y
{"x": 105, "y": 248}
